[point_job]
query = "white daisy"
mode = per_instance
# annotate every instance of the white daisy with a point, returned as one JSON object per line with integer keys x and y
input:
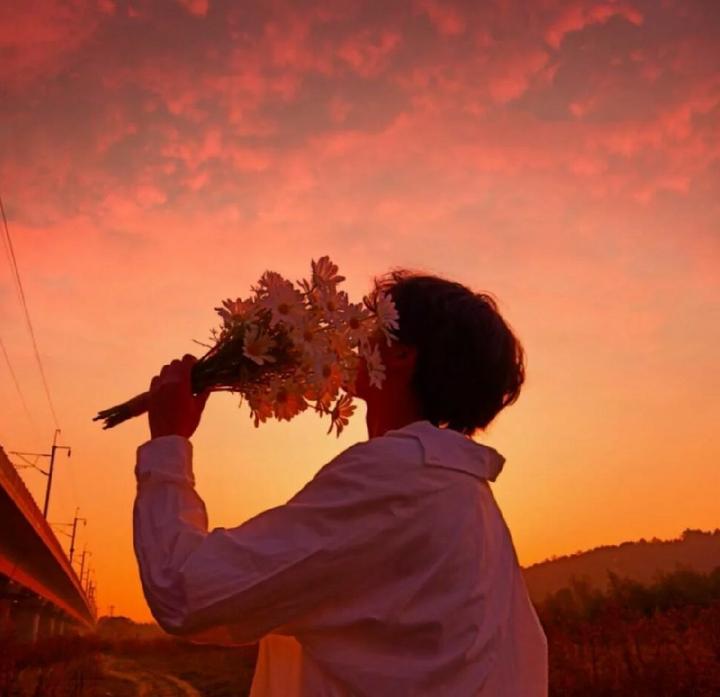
{"x": 257, "y": 345}
{"x": 235, "y": 310}
{"x": 333, "y": 305}
{"x": 356, "y": 318}
{"x": 284, "y": 302}
{"x": 325, "y": 273}
{"x": 387, "y": 315}
{"x": 375, "y": 366}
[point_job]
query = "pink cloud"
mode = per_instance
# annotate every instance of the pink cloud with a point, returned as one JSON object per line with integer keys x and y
{"x": 366, "y": 54}
{"x": 199, "y": 8}
{"x": 580, "y": 14}
{"x": 514, "y": 74}
{"x": 288, "y": 44}
{"x": 445, "y": 17}
{"x": 339, "y": 109}
{"x": 39, "y": 36}
{"x": 237, "y": 111}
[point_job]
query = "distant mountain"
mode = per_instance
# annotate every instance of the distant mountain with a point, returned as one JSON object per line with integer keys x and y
{"x": 641, "y": 561}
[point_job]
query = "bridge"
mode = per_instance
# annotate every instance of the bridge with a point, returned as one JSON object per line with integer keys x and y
{"x": 40, "y": 593}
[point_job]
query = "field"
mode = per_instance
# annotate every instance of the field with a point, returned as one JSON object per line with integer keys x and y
{"x": 654, "y": 640}
{"x": 94, "y": 667}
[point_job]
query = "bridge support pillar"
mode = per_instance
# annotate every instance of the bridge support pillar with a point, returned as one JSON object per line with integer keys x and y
{"x": 5, "y": 617}
{"x": 26, "y": 620}
{"x": 46, "y": 622}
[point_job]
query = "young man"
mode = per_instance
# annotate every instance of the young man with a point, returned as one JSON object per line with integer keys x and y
{"x": 392, "y": 572}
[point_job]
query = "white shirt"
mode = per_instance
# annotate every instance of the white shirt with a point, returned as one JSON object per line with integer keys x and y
{"x": 392, "y": 572}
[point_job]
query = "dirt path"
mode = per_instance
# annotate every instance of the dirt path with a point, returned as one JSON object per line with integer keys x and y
{"x": 142, "y": 683}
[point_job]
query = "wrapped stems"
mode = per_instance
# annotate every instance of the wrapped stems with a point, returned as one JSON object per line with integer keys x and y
{"x": 138, "y": 405}
{"x": 222, "y": 368}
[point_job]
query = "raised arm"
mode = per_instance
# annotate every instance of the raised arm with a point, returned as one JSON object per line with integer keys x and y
{"x": 275, "y": 568}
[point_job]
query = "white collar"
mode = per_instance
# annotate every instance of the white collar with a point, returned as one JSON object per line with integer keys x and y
{"x": 444, "y": 447}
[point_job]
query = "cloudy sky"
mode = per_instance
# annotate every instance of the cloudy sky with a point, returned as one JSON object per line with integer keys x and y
{"x": 564, "y": 155}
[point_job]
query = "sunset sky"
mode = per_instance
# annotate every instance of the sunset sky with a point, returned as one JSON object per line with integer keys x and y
{"x": 563, "y": 155}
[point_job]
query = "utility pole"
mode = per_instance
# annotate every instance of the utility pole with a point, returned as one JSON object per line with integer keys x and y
{"x": 86, "y": 584}
{"x": 49, "y": 473}
{"x": 72, "y": 539}
{"x": 72, "y": 535}
{"x": 91, "y": 590}
{"x": 52, "y": 466}
{"x": 84, "y": 554}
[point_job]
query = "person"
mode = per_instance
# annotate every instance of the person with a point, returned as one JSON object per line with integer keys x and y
{"x": 391, "y": 572}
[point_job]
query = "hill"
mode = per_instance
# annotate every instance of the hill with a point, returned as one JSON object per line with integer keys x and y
{"x": 641, "y": 561}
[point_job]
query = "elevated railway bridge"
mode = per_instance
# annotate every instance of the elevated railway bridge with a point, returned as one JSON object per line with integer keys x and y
{"x": 40, "y": 593}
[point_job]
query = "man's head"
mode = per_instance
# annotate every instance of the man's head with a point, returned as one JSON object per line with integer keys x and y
{"x": 455, "y": 354}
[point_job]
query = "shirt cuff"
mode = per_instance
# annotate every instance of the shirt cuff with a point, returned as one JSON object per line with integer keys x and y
{"x": 165, "y": 459}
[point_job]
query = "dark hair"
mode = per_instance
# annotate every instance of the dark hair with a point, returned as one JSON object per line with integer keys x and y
{"x": 470, "y": 365}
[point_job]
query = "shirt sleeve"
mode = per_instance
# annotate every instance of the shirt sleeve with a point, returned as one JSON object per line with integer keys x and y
{"x": 272, "y": 569}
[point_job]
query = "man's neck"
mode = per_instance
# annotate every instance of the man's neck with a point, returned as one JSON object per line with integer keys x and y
{"x": 381, "y": 418}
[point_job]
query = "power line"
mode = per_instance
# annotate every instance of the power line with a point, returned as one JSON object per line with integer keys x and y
{"x": 17, "y": 385}
{"x": 26, "y": 463}
{"x": 13, "y": 263}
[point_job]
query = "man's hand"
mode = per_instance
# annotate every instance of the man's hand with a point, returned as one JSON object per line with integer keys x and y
{"x": 172, "y": 407}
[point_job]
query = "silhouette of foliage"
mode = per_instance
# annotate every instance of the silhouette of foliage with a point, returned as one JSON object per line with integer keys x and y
{"x": 646, "y": 640}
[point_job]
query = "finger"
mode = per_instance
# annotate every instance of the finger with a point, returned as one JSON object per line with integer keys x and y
{"x": 187, "y": 363}
{"x": 182, "y": 367}
{"x": 169, "y": 374}
{"x": 154, "y": 383}
{"x": 175, "y": 368}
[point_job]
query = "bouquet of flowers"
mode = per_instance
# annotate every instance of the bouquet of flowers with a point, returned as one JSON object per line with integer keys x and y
{"x": 288, "y": 347}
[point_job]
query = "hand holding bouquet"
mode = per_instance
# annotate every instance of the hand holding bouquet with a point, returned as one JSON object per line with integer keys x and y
{"x": 289, "y": 347}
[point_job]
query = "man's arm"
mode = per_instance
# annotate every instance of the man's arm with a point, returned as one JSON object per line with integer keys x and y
{"x": 330, "y": 540}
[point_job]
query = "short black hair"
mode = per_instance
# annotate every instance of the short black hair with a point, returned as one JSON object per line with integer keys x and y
{"x": 470, "y": 365}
